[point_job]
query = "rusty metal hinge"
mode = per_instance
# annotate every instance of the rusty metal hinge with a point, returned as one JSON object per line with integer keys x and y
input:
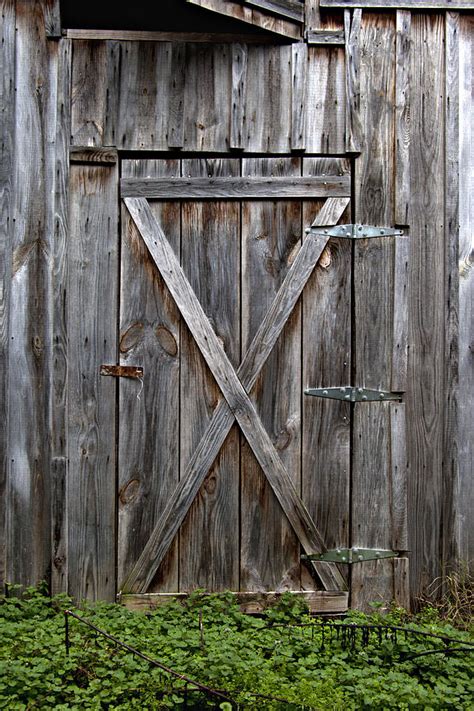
{"x": 350, "y": 394}
{"x": 351, "y": 555}
{"x": 355, "y": 231}
{"x": 122, "y": 371}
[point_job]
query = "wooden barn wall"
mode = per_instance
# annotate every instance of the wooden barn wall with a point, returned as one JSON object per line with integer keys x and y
{"x": 415, "y": 169}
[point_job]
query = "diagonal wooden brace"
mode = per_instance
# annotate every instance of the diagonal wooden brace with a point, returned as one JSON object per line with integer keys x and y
{"x": 235, "y": 390}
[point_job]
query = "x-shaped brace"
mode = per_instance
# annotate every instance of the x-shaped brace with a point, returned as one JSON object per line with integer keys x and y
{"x": 235, "y": 387}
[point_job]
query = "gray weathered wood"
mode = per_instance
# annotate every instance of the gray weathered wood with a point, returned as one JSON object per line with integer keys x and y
{"x": 176, "y": 98}
{"x": 465, "y": 489}
{"x": 28, "y": 491}
{"x": 52, "y": 19}
{"x": 239, "y": 97}
{"x": 325, "y": 100}
{"x": 88, "y": 93}
{"x": 100, "y": 156}
{"x": 425, "y": 397}
{"x": 252, "y": 16}
{"x": 451, "y": 267}
{"x": 373, "y": 310}
{"x": 271, "y": 234}
{"x": 299, "y": 60}
{"x": 401, "y": 583}
{"x": 318, "y": 601}
{"x": 398, "y": 477}
{"x": 401, "y": 267}
{"x": 218, "y": 428}
{"x": 399, "y": 4}
{"x": 92, "y": 340}
{"x": 325, "y": 37}
{"x": 402, "y": 119}
{"x": 7, "y": 104}
{"x": 353, "y": 124}
{"x": 210, "y": 239}
{"x": 146, "y": 36}
{"x": 229, "y": 188}
{"x": 293, "y": 9}
{"x": 59, "y": 325}
{"x": 148, "y": 466}
{"x": 230, "y": 385}
{"x": 327, "y": 360}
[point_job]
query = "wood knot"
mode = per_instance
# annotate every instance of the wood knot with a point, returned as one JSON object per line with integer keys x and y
{"x": 129, "y": 492}
{"x": 132, "y": 336}
{"x": 166, "y": 340}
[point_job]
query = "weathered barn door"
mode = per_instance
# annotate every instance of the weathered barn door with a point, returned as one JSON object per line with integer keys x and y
{"x": 216, "y": 459}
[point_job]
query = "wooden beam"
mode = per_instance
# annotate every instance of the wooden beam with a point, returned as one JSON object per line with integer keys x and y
{"x": 325, "y": 38}
{"x": 231, "y": 386}
{"x": 145, "y": 36}
{"x": 401, "y": 4}
{"x": 99, "y": 156}
{"x": 252, "y": 603}
{"x": 251, "y": 16}
{"x": 320, "y": 186}
{"x": 293, "y": 9}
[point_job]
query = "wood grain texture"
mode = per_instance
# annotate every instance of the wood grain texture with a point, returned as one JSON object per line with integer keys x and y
{"x": 353, "y": 124}
{"x": 271, "y": 234}
{"x": 401, "y": 584}
{"x": 52, "y": 19}
{"x": 148, "y": 466}
{"x": 58, "y": 393}
{"x": 7, "y": 103}
{"x": 401, "y": 267}
{"x": 425, "y": 398}
{"x": 236, "y": 188}
{"x": 293, "y": 9}
{"x": 325, "y": 37}
{"x": 268, "y": 99}
{"x": 402, "y": 119}
{"x": 222, "y": 420}
{"x": 318, "y": 601}
{"x": 252, "y": 16}
{"x": 465, "y": 490}
{"x": 239, "y": 95}
{"x": 176, "y": 100}
{"x": 299, "y": 61}
{"x": 28, "y": 491}
{"x": 400, "y": 4}
{"x": 451, "y": 278}
{"x": 325, "y": 100}
{"x": 147, "y": 36}
{"x": 326, "y": 360}
{"x": 209, "y": 540}
{"x": 398, "y": 477}
{"x": 231, "y": 386}
{"x": 83, "y": 154}
{"x": 92, "y": 310}
{"x": 88, "y": 93}
{"x": 373, "y": 310}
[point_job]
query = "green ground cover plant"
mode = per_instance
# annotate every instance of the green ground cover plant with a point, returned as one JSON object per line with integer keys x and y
{"x": 282, "y": 660}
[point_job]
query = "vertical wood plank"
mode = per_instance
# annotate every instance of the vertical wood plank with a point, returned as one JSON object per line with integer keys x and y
{"x": 59, "y": 324}
{"x": 425, "y": 398}
{"x": 149, "y": 411}
{"x": 176, "y": 96}
{"x": 52, "y": 19}
{"x": 92, "y": 330}
{"x": 239, "y": 96}
{"x": 451, "y": 280}
{"x": 402, "y": 119}
{"x": 401, "y": 573}
{"x": 312, "y": 15}
{"x": 401, "y": 266}
{"x": 373, "y": 314}
{"x": 325, "y": 100}
{"x": 398, "y": 477}
{"x": 353, "y": 126}
{"x": 114, "y": 56}
{"x": 299, "y": 60}
{"x": 268, "y": 105}
{"x": 327, "y": 361}
{"x": 271, "y": 234}
{"x": 209, "y": 542}
{"x": 89, "y": 75}
{"x": 7, "y": 103}
{"x": 207, "y": 91}
{"x": 465, "y": 492}
{"x": 28, "y": 494}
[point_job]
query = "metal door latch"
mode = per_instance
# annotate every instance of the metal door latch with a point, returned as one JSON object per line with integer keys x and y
{"x": 355, "y": 231}
{"x": 122, "y": 371}
{"x": 351, "y": 394}
{"x": 351, "y": 555}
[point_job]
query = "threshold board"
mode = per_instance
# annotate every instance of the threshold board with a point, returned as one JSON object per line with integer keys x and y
{"x": 321, "y": 602}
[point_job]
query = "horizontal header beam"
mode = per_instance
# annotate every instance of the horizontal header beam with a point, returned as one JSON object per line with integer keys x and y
{"x": 401, "y": 4}
{"x": 321, "y": 186}
{"x": 147, "y": 36}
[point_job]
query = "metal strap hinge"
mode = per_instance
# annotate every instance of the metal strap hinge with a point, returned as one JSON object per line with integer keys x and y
{"x": 351, "y": 555}
{"x": 355, "y": 231}
{"x": 122, "y": 371}
{"x": 351, "y": 394}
